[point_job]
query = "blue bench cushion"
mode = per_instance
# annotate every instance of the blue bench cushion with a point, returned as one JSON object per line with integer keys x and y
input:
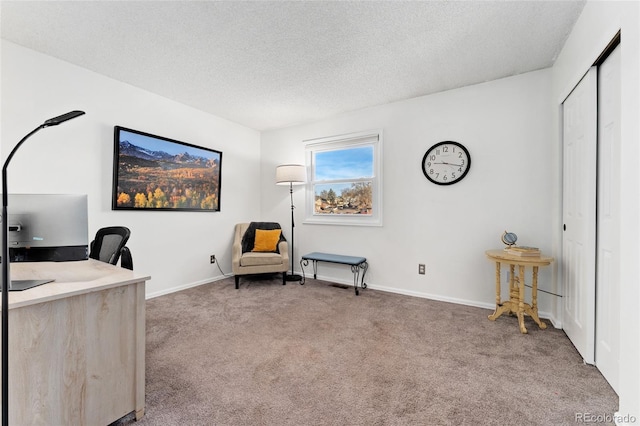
{"x": 334, "y": 258}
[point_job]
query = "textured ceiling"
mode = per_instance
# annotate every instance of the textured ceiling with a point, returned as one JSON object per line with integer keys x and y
{"x": 271, "y": 64}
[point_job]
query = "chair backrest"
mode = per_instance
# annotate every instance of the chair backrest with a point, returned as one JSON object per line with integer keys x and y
{"x": 108, "y": 244}
{"x": 248, "y": 233}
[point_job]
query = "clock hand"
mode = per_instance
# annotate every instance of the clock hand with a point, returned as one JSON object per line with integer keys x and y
{"x": 449, "y": 164}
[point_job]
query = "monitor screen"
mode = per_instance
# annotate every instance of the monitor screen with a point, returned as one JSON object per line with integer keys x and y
{"x": 47, "y": 227}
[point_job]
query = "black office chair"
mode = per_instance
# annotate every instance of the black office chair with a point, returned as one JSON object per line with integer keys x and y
{"x": 109, "y": 244}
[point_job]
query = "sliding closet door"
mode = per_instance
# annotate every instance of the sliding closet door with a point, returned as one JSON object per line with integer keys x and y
{"x": 608, "y": 229}
{"x": 579, "y": 214}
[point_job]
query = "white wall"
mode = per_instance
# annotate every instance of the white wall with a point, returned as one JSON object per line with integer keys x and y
{"x": 77, "y": 157}
{"x": 597, "y": 25}
{"x": 506, "y": 126}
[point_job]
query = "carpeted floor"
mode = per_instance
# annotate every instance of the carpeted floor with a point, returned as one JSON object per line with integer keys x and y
{"x": 269, "y": 354}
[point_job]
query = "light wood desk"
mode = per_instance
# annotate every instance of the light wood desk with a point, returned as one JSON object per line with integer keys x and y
{"x": 516, "y": 303}
{"x": 76, "y": 345}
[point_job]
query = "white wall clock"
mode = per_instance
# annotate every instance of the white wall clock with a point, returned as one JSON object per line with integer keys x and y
{"x": 446, "y": 163}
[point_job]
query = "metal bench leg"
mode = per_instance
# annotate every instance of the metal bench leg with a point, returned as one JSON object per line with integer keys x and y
{"x": 303, "y": 263}
{"x": 355, "y": 269}
{"x": 365, "y": 268}
{"x": 356, "y": 276}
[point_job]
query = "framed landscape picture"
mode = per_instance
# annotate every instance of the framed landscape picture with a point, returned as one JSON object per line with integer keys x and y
{"x": 156, "y": 173}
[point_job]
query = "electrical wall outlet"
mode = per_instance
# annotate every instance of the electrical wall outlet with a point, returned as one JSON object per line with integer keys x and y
{"x": 213, "y": 258}
{"x": 421, "y": 268}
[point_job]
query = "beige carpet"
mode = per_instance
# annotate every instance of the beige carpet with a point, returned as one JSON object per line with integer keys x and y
{"x": 269, "y": 354}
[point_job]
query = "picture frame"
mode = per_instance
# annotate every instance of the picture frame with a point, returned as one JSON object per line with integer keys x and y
{"x": 153, "y": 172}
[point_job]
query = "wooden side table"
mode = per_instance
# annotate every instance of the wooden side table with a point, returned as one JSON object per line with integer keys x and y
{"x": 516, "y": 303}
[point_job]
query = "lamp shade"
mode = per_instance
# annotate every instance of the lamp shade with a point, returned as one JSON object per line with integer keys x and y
{"x": 294, "y": 174}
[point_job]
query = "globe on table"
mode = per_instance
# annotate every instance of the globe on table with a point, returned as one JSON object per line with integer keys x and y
{"x": 509, "y": 238}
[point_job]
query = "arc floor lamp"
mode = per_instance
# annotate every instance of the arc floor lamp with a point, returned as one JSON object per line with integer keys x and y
{"x": 6, "y": 280}
{"x": 291, "y": 174}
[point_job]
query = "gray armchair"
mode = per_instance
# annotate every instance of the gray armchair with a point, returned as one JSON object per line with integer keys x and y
{"x": 246, "y": 262}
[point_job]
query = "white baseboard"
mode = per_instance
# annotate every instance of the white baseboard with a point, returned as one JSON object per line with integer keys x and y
{"x": 184, "y": 287}
{"x": 490, "y": 306}
{"x": 423, "y": 295}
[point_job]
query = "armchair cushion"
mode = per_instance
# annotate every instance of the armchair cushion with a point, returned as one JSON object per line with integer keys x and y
{"x": 266, "y": 240}
{"x": 260, "y": 259}
{"x": 248, "y": 239}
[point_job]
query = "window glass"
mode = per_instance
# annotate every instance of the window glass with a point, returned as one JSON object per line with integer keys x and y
{"x": 344, "y": 163}
{"x": 345, "y": 184}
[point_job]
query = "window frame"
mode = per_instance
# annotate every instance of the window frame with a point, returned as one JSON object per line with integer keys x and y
{"x": 332, "y": 143}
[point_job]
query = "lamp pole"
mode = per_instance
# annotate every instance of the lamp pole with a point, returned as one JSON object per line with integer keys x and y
{"x": 291, "y": 174}
{"x": 6, "y": 280}
{"x": 293, "y": 276}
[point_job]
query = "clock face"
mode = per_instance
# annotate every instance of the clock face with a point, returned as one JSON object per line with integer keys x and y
{"x": 446, "y": 163}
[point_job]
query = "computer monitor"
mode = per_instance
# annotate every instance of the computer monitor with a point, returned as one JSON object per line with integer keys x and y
{"x": 47, "y": 227}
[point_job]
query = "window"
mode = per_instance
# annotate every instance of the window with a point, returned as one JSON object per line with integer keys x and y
{"x": 345, "y": 185}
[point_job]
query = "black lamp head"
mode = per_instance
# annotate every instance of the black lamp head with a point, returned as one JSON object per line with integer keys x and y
{"x": 62, "y": 118}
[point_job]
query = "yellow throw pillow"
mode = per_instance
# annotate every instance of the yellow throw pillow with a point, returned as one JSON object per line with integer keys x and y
{"x": 266, "y": 240}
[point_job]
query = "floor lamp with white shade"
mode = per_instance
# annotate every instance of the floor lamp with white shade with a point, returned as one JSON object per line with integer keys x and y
{"x": 291, "y": 174}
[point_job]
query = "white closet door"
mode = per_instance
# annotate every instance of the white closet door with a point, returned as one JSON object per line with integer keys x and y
{"x": 608, "y": 255}
{"x": 579, "y": 214}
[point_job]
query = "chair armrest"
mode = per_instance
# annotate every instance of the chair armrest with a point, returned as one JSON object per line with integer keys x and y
{"x": 236, "y": 254}
{"x": 283, "y": 247}
{"x": 126, "y": 260}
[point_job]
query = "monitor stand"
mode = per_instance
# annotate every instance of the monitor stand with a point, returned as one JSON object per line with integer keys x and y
{"x": 19, "y": 285}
